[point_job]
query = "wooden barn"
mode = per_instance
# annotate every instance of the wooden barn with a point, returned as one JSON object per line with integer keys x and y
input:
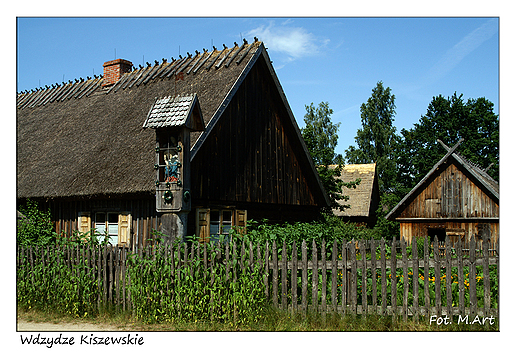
{"x": 456, "y": 199}
{"x": 364, "y": 198}
{"x": 187, "y": 146}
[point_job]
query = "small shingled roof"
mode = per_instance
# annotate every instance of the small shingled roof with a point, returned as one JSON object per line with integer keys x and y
{"x": 360, "y": 197}
{"x": 175, "y": 112}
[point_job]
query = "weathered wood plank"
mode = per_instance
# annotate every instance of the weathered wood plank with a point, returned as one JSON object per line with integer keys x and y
{"x": 486, "y": 279}
{"x": 364, "y": 302}
{"x": 426, "y": 275}
{"x": 449, "y": 300}
{"x": 393, "y": 278}
{"x": 415, "y": 280}
{"x": 275, "y": 274}
{"x": 405, "y": 279}
{"x": 305, "y": 273}
{"x": 472, "y": 278}
{"x": 334, "y": 282}
{"x": 437, "y": 276}
{"x": 284, "y": 276}
{"x": 383, "y": 277}
{"x": 314, "y": 275}
{"x": 373, "y": 270}
{"x": 353, "y": 278}
{"x": 323, "y": 276}
{"x": 460, "y": 277}
{"x": 294, "y": 274}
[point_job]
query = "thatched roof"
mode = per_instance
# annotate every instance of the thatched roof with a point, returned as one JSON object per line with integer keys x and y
{"x": 360, "y": 197}
{"x": 83, "y": 139}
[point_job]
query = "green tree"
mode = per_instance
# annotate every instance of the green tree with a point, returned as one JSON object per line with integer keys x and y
{"x": 377, "y": 138}
{"x": 321, "y": 137}
{"x": 450, "y": 119}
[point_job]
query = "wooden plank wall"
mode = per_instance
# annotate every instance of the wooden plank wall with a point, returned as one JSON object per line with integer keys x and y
{"x": 144, "y": 216}
{"x": 451, "y": 195}
{"x": 252, "y": 155}
{"x": 409, "y": 230}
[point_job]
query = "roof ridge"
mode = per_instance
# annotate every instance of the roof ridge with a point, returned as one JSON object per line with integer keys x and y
{"x": 188, "y": 65}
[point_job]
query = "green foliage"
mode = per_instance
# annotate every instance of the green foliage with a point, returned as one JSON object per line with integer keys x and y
{"x": 55, "y": 285}
{"x": 450, "y": 119}
{"x": 328, "y": 229}
{"x": 377, "y": 138}
{"x": 321, "y": 137}
{"x": 35, "y": 226}
{"x": 164, "y": 289}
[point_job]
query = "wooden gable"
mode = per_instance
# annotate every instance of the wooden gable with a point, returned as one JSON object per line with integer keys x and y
{"x": 254, "y": 153}
{"x": 451, "y": 193}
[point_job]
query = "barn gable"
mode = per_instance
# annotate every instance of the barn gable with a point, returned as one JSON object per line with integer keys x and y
{"x": 456, "y": 198}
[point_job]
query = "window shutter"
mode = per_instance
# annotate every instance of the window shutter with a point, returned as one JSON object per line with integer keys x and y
{"x": 202, "y": 218}
{"x": 241, "y": 220}
{"x": 84, "y": 222}
{"x": 125, "y": 221}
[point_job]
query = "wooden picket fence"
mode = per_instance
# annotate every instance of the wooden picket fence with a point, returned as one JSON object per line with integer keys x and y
{"x": 357, "y": 277}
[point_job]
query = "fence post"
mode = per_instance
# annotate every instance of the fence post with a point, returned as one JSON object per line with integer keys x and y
{"x": 323, "y": 277}
{"x": 294, "y": 274}
{"x": 334, "y": 285}
{"x": 393, "y": 279}
{"x": 374, "y": 275}
{"x": 344, "y": 276}
{"x": 383, "y": 276}
{"x": 438, "y": 302}
{"x": 275, "y": 274}
{"x": 485, "y": 273}
{"x": 460, "y": 264}
{"x": 363, "y": 254}
{"x": 415, "y": 279}
{"x": 314, "y": 275}
{"x": 426, "y": 248}
{"x": 449, "y": 300}
{"x": 405, "y": 279}
{"x": 284, "y": 276}
{"x": 472, "y": 278}
{"x": 353, "y": 279}
{"x": 305, "y": 278}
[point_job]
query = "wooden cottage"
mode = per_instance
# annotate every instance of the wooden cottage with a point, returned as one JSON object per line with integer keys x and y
{"x": 456, "y": 199}
{"x": 188, "y": 146}
{"x": 364, "y": 198}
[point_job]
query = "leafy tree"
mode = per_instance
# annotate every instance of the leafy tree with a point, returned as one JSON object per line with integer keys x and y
{"x": 377, "y": 138}
{"x": 321, "y": 137}
{"x": 450, "y": 119}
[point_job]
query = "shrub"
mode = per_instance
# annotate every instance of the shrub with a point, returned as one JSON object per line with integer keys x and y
{"x": 35, "y": 226}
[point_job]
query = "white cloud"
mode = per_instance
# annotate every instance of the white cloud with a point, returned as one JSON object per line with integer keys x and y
{"x": 462, "y": 49}
{"x": 293, "y": 42}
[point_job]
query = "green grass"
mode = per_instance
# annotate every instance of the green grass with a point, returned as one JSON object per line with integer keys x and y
{"x": 275, "y": 321}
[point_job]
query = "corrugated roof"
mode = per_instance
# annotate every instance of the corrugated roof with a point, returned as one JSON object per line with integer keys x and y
{"x": 360, "y": 197}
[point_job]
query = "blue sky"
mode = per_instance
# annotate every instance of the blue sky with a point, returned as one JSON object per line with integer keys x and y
{"x": 333, "y": 59}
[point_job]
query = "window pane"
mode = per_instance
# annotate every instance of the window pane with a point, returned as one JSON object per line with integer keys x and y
{"x": 113, "y": 218}
{"x": 100, "y": 218}
{"x": 112, "y": 229}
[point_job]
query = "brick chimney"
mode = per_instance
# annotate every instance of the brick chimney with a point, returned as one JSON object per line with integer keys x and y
{"x": 113, "y": 70}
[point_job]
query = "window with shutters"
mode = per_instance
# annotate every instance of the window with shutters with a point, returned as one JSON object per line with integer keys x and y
{"x": 214, "y": 224}
{"x": 116, "y": 225}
